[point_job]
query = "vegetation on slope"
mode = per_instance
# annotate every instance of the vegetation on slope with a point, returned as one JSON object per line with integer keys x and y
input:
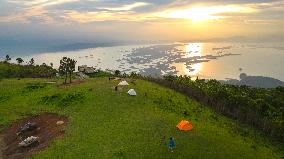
{"x": 258, "y": 107}
{"x": 107, "y": 124}
{"x": 10, "y": 70}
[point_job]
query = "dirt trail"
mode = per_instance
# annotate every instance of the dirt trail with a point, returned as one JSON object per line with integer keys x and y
{"x": 48, "y": 130}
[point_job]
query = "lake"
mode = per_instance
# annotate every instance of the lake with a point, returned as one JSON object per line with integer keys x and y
{"x": 205, "y": 60}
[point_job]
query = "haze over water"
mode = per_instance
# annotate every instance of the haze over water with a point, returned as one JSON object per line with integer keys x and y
{"x": 206, "y": 60}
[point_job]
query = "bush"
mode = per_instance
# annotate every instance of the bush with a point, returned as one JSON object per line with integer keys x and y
{"x": 99, "y": 74}
{"x": 4, "y": 98}
{"x": 34, "y": 86}
{"x": 63, "y": 100}
{"x": 9, "y": 70}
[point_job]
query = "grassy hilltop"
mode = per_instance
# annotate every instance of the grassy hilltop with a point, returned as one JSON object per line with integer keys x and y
{"x": 106, "y": 124}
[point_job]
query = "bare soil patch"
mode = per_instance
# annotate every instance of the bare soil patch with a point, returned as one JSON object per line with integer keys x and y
{"x": 47, "y": 131}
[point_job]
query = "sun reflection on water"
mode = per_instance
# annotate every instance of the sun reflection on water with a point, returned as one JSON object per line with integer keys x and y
{"x": 192, "y": 50}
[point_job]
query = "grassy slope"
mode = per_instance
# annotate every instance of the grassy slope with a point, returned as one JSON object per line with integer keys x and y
{"x": 110, "y": 125}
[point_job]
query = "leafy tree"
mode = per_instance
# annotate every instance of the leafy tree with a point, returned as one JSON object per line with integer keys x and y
{"x": 117, "y": 73}
{"x": 20, "y": 60}
{"x": 51, "y": 64}
{"x": 32, "y": 62}
{"x": 71, "y": 65}
{"x": 67, "y": 67}
{"x": 7, "y": 59}
{"x": 63, "y": 68}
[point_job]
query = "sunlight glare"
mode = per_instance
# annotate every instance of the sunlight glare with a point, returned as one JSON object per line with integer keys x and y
{"x": 194, "y": 50}
{"x": 198, "y": 14}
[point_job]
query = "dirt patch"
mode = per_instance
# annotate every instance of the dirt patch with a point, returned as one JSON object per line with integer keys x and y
{"x": 47, "y": 131}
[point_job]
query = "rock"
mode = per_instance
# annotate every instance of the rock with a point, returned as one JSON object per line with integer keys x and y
{"x": 29, "y": 141}
{"x": 59, "y": 122}
{"x": 27, "y": 127}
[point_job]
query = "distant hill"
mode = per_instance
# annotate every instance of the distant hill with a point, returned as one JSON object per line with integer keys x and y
{"x": 255, "y": 81}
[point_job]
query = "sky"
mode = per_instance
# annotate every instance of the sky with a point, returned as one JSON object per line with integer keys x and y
{"x": 107, "y": 20}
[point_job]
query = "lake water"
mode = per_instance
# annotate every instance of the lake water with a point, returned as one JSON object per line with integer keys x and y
{"x": 206, "y": 60}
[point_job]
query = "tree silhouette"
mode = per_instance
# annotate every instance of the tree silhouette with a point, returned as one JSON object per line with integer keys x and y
{"x": 117, "y": 72}
{"x": 7, "y": 59}
{"x": 71, "y": 65}
{"x": 20, "y": 60}
{"x": 63, "y": 68}
{"x": 32, "y": 62}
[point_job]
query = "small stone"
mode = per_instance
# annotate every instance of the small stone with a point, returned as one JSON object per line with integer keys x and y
{"x": 59, "y": 123}
{"x": 29, "y": 141}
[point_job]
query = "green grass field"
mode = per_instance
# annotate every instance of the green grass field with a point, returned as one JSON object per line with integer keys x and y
{"x": 106, "y": 124}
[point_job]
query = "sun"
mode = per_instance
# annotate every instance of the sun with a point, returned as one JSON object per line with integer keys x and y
{"x": 203, "y": 13}
{"x": 198, "y": 14}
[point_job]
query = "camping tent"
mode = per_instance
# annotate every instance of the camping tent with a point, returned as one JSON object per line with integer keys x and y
{"x": 123, "y": 83}
{"x": 132, "y": 92}
{"x": 184, "y": 125}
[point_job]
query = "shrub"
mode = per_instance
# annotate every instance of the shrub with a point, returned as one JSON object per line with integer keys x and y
{"x": 99, "y": 74}
{"x": 34, "y": 86}
{"x": 4, "y": 98}
{"x": 117, "y": 73}
{"x": 63, "y": 100}
{"x": 9, "y": 70}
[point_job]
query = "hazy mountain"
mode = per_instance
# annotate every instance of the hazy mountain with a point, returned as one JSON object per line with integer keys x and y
{"x": 256, "y": 81}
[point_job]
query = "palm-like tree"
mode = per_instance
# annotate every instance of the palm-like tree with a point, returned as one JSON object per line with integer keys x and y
{"x": 32, "y": 61}
{"x": 7, "y": 59}
{"x": 20, "y": 60}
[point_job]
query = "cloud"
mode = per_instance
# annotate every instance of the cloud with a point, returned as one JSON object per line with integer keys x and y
{"x": 126, "y": 7}
{"x": 115, "y": 10}
{"x": 40, "y": 3}
{"x": 33, "y": 11}
{"x": 25, "y": 15}
{"x": 171, "y": 17}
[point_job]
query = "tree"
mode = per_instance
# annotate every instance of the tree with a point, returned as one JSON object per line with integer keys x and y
{"x": 32, "y": 62}
{"x": 71, "y": 65}
{"x": 67, "y": 66}
{"x": 117, "y": 73}
{"x": 63, "y": 68}
{"x": 51, "y": 64}
{"x": 20, "y": 60}
{"x": 7, "y": 59}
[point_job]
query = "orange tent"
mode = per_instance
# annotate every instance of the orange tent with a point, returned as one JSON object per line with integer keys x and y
{"x": 184, "y": 125}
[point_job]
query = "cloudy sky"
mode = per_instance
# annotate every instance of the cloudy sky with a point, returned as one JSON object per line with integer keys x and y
{"x": 140, "y": 20}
